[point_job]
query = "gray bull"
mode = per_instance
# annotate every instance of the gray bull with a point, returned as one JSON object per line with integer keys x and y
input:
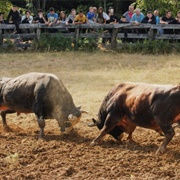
{"x": 40, "y": 93}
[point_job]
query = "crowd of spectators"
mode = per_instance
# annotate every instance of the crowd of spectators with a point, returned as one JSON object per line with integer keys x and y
{"x": 94, "y": 15}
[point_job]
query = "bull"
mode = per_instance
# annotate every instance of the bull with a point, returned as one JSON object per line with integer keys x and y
{"x": 129, "y": 105}
{"x": 42, "y": 94}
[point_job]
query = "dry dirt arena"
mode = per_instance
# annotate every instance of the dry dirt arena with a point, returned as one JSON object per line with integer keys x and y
{"x": 69, "y": 157}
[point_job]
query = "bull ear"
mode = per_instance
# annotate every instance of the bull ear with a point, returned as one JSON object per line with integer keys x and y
{"x": 94, "y": 123}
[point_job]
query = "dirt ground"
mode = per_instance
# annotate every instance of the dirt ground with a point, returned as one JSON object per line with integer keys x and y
{"x": 69, "y": 157}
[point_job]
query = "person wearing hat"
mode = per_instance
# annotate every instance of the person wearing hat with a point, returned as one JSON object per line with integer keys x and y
{"x": 14, "y": 18}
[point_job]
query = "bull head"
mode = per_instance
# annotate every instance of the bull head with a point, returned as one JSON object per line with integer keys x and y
{"x": 94, "y": 123}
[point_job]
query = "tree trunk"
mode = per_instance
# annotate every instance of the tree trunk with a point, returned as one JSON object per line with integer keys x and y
{"x": 44, "y": 5}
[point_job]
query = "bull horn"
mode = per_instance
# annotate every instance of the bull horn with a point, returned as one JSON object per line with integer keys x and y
{"x": 94, "y": 123}
{"x": 71, "y": 117}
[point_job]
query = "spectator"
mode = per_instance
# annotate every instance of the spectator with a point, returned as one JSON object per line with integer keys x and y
{"x": 52, "y": 17}
{"x": 124, "y": 30}
{"x": 168, "y": 19}
{"x": 150, "y": 18}
{"x": 102, "y": 17}
{"x": 80, "y": 18}
{"x": 91, "y": 16}
{"x": 129, "y": 14}
{"x": 2, "y": 21}
{"x": 27, "y": 18}
{"x": 14, "y": 18}
{"x": 158, "y": 20}
{"x": 177, "y": 21}
{"x": 40, "y": 18}
{"x": 71, "y": 17}
{"x": 137, "y": 17}
{"x": 95, "y": 13}
{"x": 113, "y": 18}
{"x": 62, "y": 18}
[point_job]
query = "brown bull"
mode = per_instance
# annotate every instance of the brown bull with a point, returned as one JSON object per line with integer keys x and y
{"x": 136, "y": 104}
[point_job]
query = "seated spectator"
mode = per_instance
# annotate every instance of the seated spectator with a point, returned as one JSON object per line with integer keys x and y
{"x": 129, "y": 14}
{"x": 168, "y": 19}
{"x": 137, "y": 17}
{"x": 102, "y": 17}
{"x": 149, "y": 18}
{"x": 40, "y": 18}
{"x": 14, "y": 18}
{"x": 71, "y": 16}
{"x": 27, "y": 18}
{"x": 52, "y": 17}
{"x": 91, "y": 16}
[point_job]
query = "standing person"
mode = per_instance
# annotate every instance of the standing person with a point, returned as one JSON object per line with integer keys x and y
{"x": 14, "y": 18}
{"x": 177, "y": 21}
{"x": 71, "y": 16}
{"x": 40, "y": 17}
{"x": 149, "y": 18}
{"x": 62, "y": 18}
{"x": 102, "y": 17}
{"x": 137, "y": 17}
{"x": 91, "y": 16}
{"x": 2, "y": 21}
{"x": 168, "y": 19}
{"x": 95, "y": 13}
{"x": 128, "y": 14}
{"x": 52, "y": 19}
{"x": 158, "y": 21}
{"x": 27, "y": 18}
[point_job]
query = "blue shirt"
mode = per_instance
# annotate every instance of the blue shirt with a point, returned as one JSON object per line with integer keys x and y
{"x": 90, "y": 16}
{"x": 52, "y": 17}
{"x": 137, "y": 18}
{"x": 157, "y": 20}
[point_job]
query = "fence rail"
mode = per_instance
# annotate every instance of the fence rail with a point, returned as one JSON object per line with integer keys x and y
{"x": 112, "y": 31}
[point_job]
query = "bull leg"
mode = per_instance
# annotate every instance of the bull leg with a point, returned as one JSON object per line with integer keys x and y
{"x": 168, "y": 133}
{"x": 3, "y": 115}
{"x": 38, "y": 110}
{"x": 110, "y": 123}
{"x": 41, "y": 124}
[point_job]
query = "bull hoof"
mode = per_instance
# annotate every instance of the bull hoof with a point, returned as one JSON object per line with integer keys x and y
{"x": 93, "y": 143}
{"x": 160, "y": 151}
{"x": 6, "y": 128}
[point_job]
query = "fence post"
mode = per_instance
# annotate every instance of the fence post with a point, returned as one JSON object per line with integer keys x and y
{"x": 1, "y": 38}
{"x": 76, "y": 37}
{"x": 114, "y": 38}
{"x": 151, "y": 34}
{"x": 38, "y": 33}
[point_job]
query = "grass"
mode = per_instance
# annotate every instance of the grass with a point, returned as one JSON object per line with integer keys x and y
{"x": 89, "y": 76}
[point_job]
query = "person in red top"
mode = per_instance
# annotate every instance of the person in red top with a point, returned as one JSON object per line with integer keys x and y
{"x": 128, "y": 14}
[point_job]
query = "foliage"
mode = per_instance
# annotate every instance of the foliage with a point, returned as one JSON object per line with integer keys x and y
{"x": 161, "y": 5}
{"x": 151, "y": 47}
{"x": 5, "y": 7}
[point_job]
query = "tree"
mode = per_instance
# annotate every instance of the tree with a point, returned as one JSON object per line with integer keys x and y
{"x": 5, "y": 6}
{"x": 161, "y": 5}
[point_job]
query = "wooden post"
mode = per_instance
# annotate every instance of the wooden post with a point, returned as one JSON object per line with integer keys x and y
{"x": 1, "y": 38}
{"x": 76, "y": 37}
{"x": 114, "y": 38}
{"x": 38, "y": 34}
{"x": 151, "y": 34}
